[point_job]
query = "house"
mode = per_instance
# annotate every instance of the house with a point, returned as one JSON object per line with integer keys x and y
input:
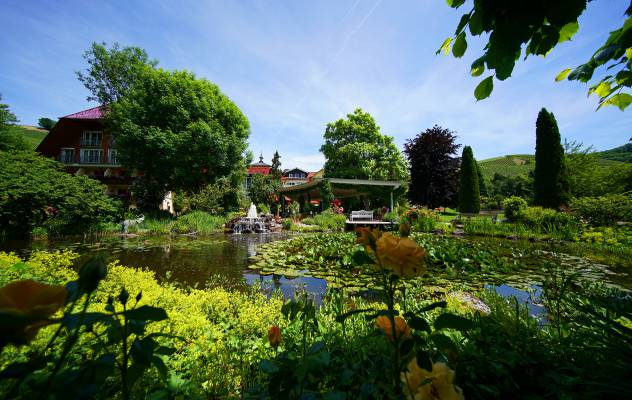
{"x": 295, "y": 176}
{"x": 82, "y": 143}
{"x": 260, "y": 168}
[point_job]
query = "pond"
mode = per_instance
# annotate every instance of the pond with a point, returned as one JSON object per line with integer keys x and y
{"x": 225, "y": 260}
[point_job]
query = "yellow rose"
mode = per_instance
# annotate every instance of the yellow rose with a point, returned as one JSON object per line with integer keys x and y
{"x": 368, "y": 237}
{"x": 402, "y": 330}
{"x": 403, "y": 256}
{"x": 27, "y": 305}
{"x": 439, "y": 383}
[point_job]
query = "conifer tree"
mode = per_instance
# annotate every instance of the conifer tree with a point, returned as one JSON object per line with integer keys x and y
{"x": 469, "y": 196}
{"x": 275, "y": 170}
{"x": 551, "y": 176}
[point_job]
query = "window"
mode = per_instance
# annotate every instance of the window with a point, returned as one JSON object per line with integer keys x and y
{"x": 91, "y": 138}
{"x": 67, "y": 155}
{"x": 90, "y": 156}
{"x": 113, "y": 156}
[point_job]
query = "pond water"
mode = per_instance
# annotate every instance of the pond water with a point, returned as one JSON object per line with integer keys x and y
{"x": 225, "y": 259}
{"x": 192, "y": 261}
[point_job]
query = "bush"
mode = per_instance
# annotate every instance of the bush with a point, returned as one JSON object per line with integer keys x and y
{"x": 603, "y": 210}
{"x": 328, "y": 220}
{"x": 308, "y": 221}
{"x": 217, "y": 198}
{"x": 538, "y": 216}
{"x": 287, "y": 223}
{"x": 198, "y": 222}
{"x": 35, "y": 191}
{"x": 513, "y": 206}
{"x": 263, "y": 208}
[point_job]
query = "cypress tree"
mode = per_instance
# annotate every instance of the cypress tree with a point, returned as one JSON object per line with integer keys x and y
{"x": 550, "y": 186}
{"x": 469, "y": 195}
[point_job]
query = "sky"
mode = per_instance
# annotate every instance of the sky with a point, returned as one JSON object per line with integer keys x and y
{"x": 294, "y": 66}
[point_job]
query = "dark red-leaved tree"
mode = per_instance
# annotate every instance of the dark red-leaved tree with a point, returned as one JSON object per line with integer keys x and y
{"x": 434, "y": 167}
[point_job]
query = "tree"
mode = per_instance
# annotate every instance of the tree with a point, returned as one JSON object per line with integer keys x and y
{"x": 46, "y": 123}
{"x": 541, "y": 26}
{"x": 507, "y": 186}
{"x": 35, "y": 191}
{"x": 10, "y": 139}
{"x": 355, "y": 148}
{"x": 182, "y": 132}
{"x": 275, "y": 170}
{"x": 217, "y": 198}
{"x": 112, "y": 72}
{"x": 263, "y": 189}
{"x": 433, "y": 167}
{"x": 326, "y": 194}
{"x": 482, "y": 186}
{"x": 551, "y": 175}
{"x": 469, "y": 195}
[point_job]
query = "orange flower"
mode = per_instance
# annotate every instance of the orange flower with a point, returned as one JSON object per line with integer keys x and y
{"x": 402, "y": 330}
{"x": 402, "y": 256}
{"x": 368, "y": 237}
{"x": 27, "y": 305}
{"x": 437, "y": 384}
{"x": 274, "y": 336}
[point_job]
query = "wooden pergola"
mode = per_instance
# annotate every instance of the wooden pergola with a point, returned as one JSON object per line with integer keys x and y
{"x": 341, "y": 188}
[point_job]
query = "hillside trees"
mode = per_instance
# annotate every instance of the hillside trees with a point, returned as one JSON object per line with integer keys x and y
{"x": 46, "y": 123}
{"x": 550, "y": 175}
{"x": 433, "y": 167}
{"x": 10, "y": 139}
{"x": 469, "y": 195}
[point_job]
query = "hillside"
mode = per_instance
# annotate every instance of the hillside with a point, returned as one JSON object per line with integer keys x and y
{"x": 511, "y": 165}
{"x": 31, "y": 134}
{"x": 621, "y": 153}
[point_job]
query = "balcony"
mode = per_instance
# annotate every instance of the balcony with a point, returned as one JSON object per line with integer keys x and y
{"x": 90, "y": 142}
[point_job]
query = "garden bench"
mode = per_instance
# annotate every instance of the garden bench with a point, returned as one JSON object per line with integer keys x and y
{"x": 365, "y": 218}
{"x": 361, "y": 215}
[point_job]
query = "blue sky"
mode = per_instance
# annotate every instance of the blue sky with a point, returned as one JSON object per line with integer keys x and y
{"x": 293, "y": 66}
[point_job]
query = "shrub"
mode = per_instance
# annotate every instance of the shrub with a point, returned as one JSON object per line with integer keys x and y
{"x": 198, "y": 222}
{"x": 287, "y": 223}
{"x": 308, "y": 221}
{"x": 263, "y": 208}
{"x": 328, "y": 220}
{"x": 603, "y": 210}
{"x": 216, "y": 198}
{"x": 538, "y": 216}
{"x": 513, "y": 206}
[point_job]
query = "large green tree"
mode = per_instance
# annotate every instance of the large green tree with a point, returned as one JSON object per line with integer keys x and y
{"x": 355, "y": 148}
{"x": 275, "y": 169}
{"x": 434, "y": 167}
{"x": 35, "y": 191}
{"x": 181, "y": 131}
{"x": 46, "y": 123}
{"x": 469, "y": 194}
{"x": 10, "y": 139}
{"x": 540, "y": 26}
{"x": 112, "y": 72}
{"x": 551, "y": 175}
{"x": 263, "y": 189}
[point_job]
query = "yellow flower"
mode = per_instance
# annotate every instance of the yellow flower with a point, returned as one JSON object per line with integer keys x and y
{"x": 368, "y": 237}
{"x": 402, "y": 256}
{"x": 437, "y": 384}
{"x": 402, "y": 330}
{"x": 27, "y": 305}
{"x": 274, "y": 336}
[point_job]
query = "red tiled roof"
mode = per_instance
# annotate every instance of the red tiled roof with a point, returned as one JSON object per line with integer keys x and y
{"x": 310, "y": 175}
{"x": 92, "y": 113}
{"x": 258, "y": 170}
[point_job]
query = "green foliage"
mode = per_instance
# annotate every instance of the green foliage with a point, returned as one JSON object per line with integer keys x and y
{"x": 217, "y": 198}
{"x": 198, "y": 222}
{"x": 295, "y": 209}
{"x": 263, "y": 208}
{"x": 275, "y": 169}
{"x": 469, "y": 194}
{"x": 482, "y": 186}
{"x": 355, "y": 148}
{"x": 603, "y": 210}
{"x": 326, "y": 194}
{"x": 551, "y": 175}
{"x": 513, "y": 207}
{"x": 330, "y": 221}
{"x": 508, "y": 166}
{"x": 34, "y": 191}
{"x": 621, "y": 153}
{"x": 263, "y": 188}
{"x": 433, "y": 168}
{"x": 519, "y": 185}
{"x": 181, "y": 131}
{"x": 10, "y": 138}
{"x": 112, "y": 72}
{"x": 46, "y": 123}
{"x": 540, "y": 27}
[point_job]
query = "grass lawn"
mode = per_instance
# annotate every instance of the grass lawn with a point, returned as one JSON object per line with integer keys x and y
{"x": 32, "y": 135}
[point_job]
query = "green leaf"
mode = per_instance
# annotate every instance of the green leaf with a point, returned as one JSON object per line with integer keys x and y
{"x": 621, "y": 100}
{"x": 624, "y": 78}
{"x": 562, "y": 75}
{"x": 419, "y": 324}
{"x": 484, "y": 89}
{"x": 436, "y": 304}
{"x": 603, "y": 89}
{"x": 268, "y": 367}
{"x": 476, "y": 23}
{"x": 346, "y": 315}
{"x": 628, "y": 53}
{"x": 443, "y": 342}
{"x": 445, "y": 46}
{"x": 582, "y": 73}
{"x": 451, "y": 321}
{"x": 464, "y": 20}
{"x": 361, "y": 257}
{"x": 455, "y": 3}
{"x": 478, "y": 66}
{"x": 424, "y": 360}
{"x": 460, "y": 45}
{"x": 567, "y": 31}
{"x": 147, "y": 313}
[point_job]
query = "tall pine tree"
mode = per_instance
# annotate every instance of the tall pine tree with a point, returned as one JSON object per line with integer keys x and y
{"x": 469, "y": 195}
{"x": 550, "y": 186}
{"x": 275, "y": 170}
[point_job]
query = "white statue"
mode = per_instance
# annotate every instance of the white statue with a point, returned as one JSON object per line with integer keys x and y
{"x": 252, "y": 211}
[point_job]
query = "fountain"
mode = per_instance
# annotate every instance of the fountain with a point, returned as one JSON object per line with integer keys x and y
{"x": 251, "y": 223}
